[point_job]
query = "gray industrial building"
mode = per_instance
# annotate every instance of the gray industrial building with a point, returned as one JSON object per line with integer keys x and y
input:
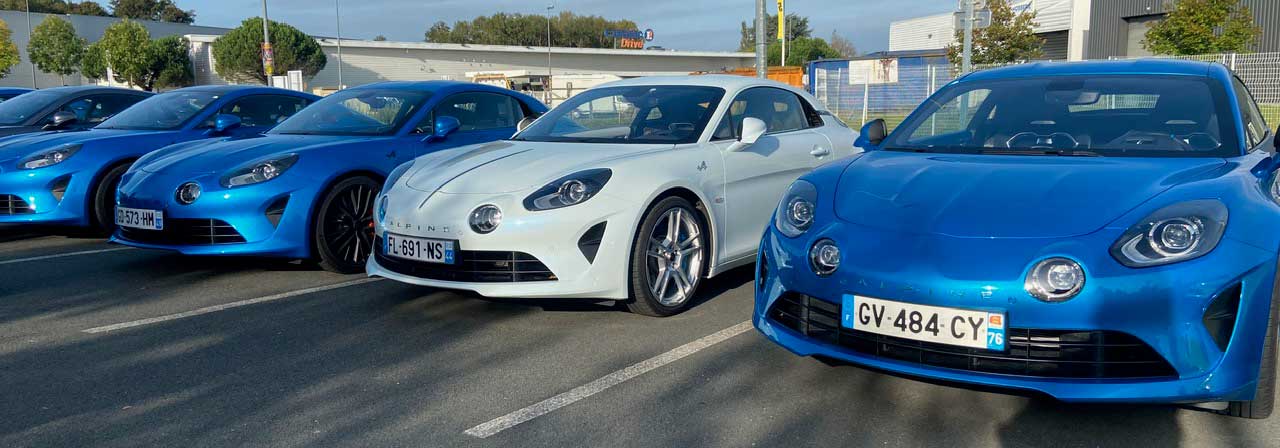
{"x": 1117, "y": 27}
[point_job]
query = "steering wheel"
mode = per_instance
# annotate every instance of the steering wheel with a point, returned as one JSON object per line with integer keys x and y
{"x": 1056, "y": 140}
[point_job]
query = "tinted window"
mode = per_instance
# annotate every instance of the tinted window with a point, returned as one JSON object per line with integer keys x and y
{"x": 95, "y": 109}
{"x": 629, "y": 114}
{"x": 165, "y": 111}
{"x": 479, "y": 111}
{"x": 779, "y": 109}
{"x": 24, "y": 107}
{"x": 264, "y": 110}
{"x": 1130, "y": 116}
{"x": 1255, "y": 126}
{"x": 361, "y": 111}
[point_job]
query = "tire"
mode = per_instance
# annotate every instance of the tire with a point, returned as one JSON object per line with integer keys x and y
{"x": 1265, "y": 395}
{"x": 343, "y": 225}
{"x": 676, "y": 253}
{"x": 102, "y": 209}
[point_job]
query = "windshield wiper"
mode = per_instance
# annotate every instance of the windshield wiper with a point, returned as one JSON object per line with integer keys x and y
{"x": 1041, "y": 152}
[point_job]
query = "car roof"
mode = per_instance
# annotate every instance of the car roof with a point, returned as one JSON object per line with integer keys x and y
{"x": 70, "y": 90}
{"x": 223, "y": 90}
{"x": 727, "y": 82}
{"x": 1126, "y": 67}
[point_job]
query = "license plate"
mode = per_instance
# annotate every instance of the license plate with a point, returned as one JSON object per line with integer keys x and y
{"x": 140, "y": 218}
{"x": 950, "y": 326}
{"x": 418, "y": 249}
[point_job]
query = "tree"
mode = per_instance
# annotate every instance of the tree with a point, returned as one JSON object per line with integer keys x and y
{"x": 379, "y": 38}
{"x": 127, "y": 47}
{"x": 8, "y": 51}
{"x": 87, "y": 8}
{"x": 567, "y": 30}
{"x": 94, "y": 62}
{"x": 801, "y": 51}
{"x": 842, "y": 46}
{"x": 797, "y": 28}
{"x": 170, "y": 64}
{"x": 1203, "y": 27}
{"x": 238, "y": 54}
{"x": 161, "y": 10}
{"x": 55, "y": 47}
{"x": 1009, "y": 38}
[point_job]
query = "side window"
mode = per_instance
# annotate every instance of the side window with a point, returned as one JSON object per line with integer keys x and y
{"x": 1255, "y": 126}
{"x": 780, "y": 110}
{"x": 725, "y": 130}
{"x": 478, "y": 111}
{"x": 94, "y": 109}
{"x": 264, "y": 110}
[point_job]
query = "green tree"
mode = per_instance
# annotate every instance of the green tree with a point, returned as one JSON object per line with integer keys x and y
{"x": 843, "y": 46}
{"x": 127, "y": 47}
{"x": 8, "y": 51}
{"x": 797, "y": 28}
{"x": 379, "y": 38}
{"x": 87, "y": 8}
{"x": 55, "y": 48}
{"x": 161, "y": 10}
{"x": 238, "y": 54}
{"x": 93, "y": 64}
{"x": 1009, "y": 38}
{"x": 801, "y": 51}
{"x": 1203, "y": 27}
{"x": 567, "y": 30}
{"x": 170, "y": 64}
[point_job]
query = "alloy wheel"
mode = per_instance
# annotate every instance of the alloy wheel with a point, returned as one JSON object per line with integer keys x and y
{"x": 674, "y": 257}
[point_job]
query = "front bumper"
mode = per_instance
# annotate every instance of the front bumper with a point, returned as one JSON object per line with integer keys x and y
{"x": 31, "y": 193}
{"x": 1164, "y": 308}
{"x": 553, "y": 238}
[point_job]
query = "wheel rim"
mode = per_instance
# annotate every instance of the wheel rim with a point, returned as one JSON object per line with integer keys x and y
{"x": 674, "y": 257}
{"x": 348, "y": 224}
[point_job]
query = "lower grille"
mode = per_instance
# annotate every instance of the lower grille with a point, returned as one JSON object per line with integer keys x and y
{"x": 471, "y": 266}
{"x": 13, "y": 205}
{"x": 192, "y": 232}
{"x": 1031, "y": 352}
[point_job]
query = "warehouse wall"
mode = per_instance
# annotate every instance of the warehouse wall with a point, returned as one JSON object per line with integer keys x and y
{"x": 1110, "y": 19}
{"x": 922, "y": 33}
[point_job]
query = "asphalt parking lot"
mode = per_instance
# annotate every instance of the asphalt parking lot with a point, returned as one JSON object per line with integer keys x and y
{"x": 107, "y": 346}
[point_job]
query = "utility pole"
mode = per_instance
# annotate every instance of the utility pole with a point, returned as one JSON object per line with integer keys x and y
{"x": 546, "y": 86}
{"x": 268, "y": 56}
{"x": 967, "y": 64}
{"x": 337, "y": 14}
{"x": 33, "y": 64}
{"x": 782, "y": 29}
{"x": 762, "y": 63}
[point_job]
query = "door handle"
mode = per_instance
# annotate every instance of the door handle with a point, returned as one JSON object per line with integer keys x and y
{"x": 819, "y": 151}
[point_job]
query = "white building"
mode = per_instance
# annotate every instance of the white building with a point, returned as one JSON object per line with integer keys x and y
{"x": 1063, "y": 24}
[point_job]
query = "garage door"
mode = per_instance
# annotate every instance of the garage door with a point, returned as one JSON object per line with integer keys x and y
{"x": 1137, "y": 32}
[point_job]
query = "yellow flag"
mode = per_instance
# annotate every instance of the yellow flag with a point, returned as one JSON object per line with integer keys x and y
{"x": 782, "y": 20}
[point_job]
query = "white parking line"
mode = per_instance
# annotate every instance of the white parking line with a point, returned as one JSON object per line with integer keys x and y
{"x": 68, "y": 254}
{"x": 544, "y": 407}
{"x": 225, "y": 306}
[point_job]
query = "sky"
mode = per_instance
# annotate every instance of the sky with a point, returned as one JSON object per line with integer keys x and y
{"x": 678, "y": 24}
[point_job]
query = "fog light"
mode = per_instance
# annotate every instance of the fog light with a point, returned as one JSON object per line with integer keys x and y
{"x": 188, "y": 193}
{"x": 824, "y": 257}
{"x": 486, "y": 218}
{"x": 1055, "y": 280}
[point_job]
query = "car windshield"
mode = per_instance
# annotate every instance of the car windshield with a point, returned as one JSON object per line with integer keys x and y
{"x": 631, "y": 114}
{"x": 161, "y": 112}
{"x": 1117, "y": 116}
{"x": 21, "y": 108}
{"x": 356, "y": 112}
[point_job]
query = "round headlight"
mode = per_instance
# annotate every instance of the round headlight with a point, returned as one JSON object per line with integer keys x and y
{"x": 824, "y": 257}
{"x": 382, "y": 208}
{"x": 1176, "y": 236}
{"x": 800, "y": 213}
{"x": 795, "y": 213}
{"x": 188, "y": 193}
{"x": 1055, "y": 280}
{"x": 572, "y": 192}
{"x": 486, "y": 218}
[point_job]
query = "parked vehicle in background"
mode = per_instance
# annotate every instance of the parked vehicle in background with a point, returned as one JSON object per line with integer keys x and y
{"x": 7, "y": 93}
{"x": 635, "y": 190}
{"x": 306, "y": 189}
{"x": 69, "y": 178}
{"x": 1092, "y": 231}
{"x": 64, "y": 108}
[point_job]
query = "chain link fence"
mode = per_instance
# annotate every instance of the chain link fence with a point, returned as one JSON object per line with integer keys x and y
{"x": 861, "y": 90}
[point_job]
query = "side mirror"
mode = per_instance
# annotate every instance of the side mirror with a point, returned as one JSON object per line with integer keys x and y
{"x": 524, "y": 123}
{"x": 61, "y": 119}
{"x": 225, "y": 122}
{"x": 872, "y": 134}
{"x": 444, "y": 126}
{"x": 752, "y": 129}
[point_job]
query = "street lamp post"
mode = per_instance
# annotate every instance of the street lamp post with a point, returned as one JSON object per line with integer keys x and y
{"x": 337, "y": 15}
{"x": 762, "y": 69}
{"x": 267, "y": 54}
{"x": 546, "y": 94}
{"x": 29, "y": 32}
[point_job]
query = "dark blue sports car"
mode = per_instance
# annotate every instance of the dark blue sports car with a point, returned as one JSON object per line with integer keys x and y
{"x": 306, "y": 188}
{"x": 69, "y": 178}
{"x": 1095, "y": 231}
{"x": 8, "y": 93}
{"x": 62, "y": 108}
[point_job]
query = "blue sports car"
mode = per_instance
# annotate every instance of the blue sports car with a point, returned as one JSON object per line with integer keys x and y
{"x": 8, "y": 93}
{"x": 69, "y": 178}
{"x": 1096, "y": 231}
{"x": 62, "y": 108}
{"x": 306, "y": 188}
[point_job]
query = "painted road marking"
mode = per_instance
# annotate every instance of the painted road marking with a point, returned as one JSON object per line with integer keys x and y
{"x": 226, "y": 306}
{"x": 544, "y": 407}
{"x": 68, "y": 254}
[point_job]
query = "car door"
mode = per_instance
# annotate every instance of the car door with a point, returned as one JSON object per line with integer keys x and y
{"x": 484, "y": 117}
{"x": 755, "y": 177}
{"x": 260, "y": 113}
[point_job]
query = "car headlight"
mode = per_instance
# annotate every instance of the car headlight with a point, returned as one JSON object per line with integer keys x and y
{"x": 49, "y": 157}
{"x": 1179, "y": 232}
{"x": 795, "y": 213}
{"x": 259, "y": 171}
{"x": 570, "y": 190}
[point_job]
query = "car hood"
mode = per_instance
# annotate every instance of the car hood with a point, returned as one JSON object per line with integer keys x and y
{"x": 507, "y": 166}
{"x": 220, "y": 154}
{"x": 19, "y": 146}
{"x": 992, "y": 196}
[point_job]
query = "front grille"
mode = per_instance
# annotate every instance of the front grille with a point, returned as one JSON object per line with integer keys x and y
{"x": 193, "y": 232}
{"x": 13, "y": 205}
{"x": 471, "y": 266}
{"x": 1031, "y": 352}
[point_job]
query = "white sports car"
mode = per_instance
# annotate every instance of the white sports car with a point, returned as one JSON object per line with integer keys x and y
{"x": 634, "y": 190}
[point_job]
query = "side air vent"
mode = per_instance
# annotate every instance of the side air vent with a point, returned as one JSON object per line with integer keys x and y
{"x": 589, "y": 244}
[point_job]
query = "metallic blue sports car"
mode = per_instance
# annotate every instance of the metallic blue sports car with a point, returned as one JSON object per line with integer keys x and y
{"x": 1098, "y": 231}
{"x": 69, "y": 178}
{"x": 306, "y": 188}
{"x": 62, "y": 108}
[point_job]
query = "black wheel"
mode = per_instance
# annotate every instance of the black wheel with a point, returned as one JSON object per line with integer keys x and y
{"x": 668, "y": 258}
{"x": 1265, "y": 395}
{"x": 344, "y": 225}
{"x": 102, "y": 208}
